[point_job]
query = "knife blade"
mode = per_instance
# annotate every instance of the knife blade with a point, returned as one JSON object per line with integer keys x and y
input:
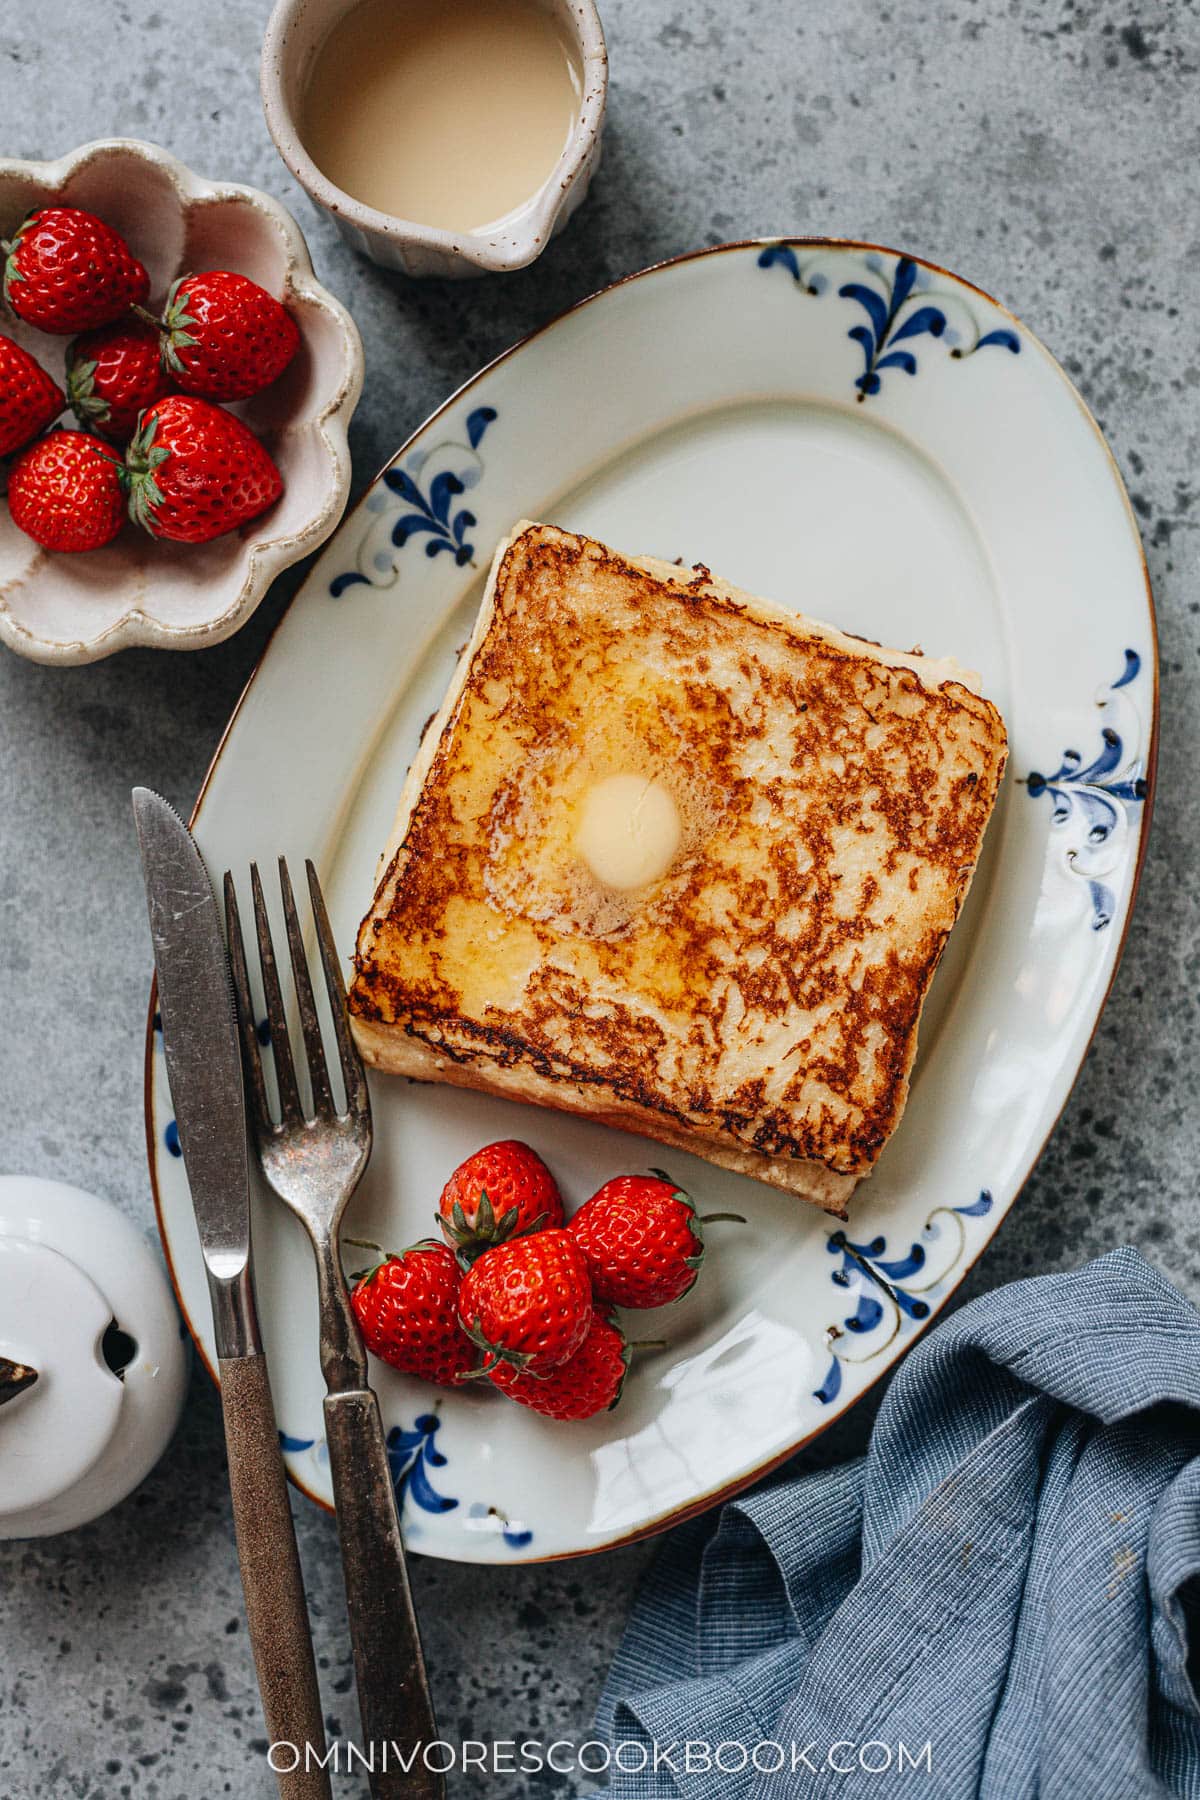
{"x": 204, "y": 1070}
{"x": 204, "y": 1067}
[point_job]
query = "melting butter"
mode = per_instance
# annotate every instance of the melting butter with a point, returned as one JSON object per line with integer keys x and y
{"x": 629, "y": 831}
{"x": 448, "y": 115}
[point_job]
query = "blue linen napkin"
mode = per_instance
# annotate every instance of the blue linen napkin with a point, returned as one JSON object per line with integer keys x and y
{"x": 1009, "y": 1577}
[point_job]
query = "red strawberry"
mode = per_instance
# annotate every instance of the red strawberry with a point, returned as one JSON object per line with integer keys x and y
{"x": 505, "y": 1190}
{"x": 587, "y": 1383}
{"x": 113, "y": 374}
{"x": 224, "y": 337}
{"x": 196, "y": 472}
{"x": 407, "y": 1311}
{"x": 67, "y": 271}
{"x": 29, "y": 400}
{"x": 66, "y": 491}
{"x": 642, "y": 1240}
{"x": 527, "y": 1302}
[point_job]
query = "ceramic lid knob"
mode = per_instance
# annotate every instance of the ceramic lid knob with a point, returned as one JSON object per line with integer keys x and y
{"x": 52, "y": 1320}
{"x": 93, "y": 1364}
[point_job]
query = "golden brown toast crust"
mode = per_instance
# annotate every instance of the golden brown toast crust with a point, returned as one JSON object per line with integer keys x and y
{"x": 763, "y": 996}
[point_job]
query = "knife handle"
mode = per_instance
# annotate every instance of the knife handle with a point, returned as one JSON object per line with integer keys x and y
{"x": 276, "y": 1611}
{"x": 393, "y": 1689}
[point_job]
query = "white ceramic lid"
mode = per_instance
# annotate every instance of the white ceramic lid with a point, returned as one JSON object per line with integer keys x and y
{"x": 52, "y": 1319}
{"x": 82, "y": 1436}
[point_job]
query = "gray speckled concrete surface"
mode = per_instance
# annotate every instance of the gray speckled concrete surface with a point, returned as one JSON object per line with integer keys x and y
{"x": 1047, "y": 149}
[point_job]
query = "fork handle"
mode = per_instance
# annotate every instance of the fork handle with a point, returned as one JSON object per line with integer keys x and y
{"x": 276, "y": 1613}
{"x": 393, "y": 1689}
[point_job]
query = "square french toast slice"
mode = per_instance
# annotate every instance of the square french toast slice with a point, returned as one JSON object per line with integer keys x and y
{"x": 680, "y": 861}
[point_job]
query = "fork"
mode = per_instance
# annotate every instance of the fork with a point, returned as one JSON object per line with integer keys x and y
{"x": 314, "y": 1165}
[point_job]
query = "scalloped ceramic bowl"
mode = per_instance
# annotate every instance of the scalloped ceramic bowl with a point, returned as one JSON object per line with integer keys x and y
{"x": 75, "y": 609}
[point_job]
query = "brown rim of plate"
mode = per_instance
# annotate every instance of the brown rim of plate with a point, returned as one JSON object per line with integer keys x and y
{"x": 716, "y": 1496}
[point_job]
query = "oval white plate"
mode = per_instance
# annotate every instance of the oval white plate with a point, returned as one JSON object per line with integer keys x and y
{"x": 869, "y": 439}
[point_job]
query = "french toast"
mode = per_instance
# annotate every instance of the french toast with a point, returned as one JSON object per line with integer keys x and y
{"x": 735, "y": 967}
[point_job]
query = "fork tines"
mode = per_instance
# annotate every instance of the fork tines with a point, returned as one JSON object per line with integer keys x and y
{"x": 291, "y": 1105}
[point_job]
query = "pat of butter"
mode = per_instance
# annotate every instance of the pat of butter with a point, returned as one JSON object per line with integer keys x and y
{"x": 629, "y": 831}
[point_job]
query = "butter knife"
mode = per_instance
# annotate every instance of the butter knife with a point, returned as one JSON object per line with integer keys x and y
{"x": 200, "y": 1042}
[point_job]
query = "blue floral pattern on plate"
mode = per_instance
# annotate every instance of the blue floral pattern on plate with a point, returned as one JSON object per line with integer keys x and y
{"x": 900, "y": 304}
{"x": 491, "y": 1519}
{"x": 890, "y": 1290}
{"x": 416, "y": 501}
{"x": 1092, "y": 802}
{"x": 171, "y": 1129}
{"x": 413, "y": 1454}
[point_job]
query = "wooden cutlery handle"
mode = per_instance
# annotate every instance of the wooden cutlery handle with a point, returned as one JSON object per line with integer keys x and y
{"x": 393, "y": 1690}
{"x": 272, "y": 1582}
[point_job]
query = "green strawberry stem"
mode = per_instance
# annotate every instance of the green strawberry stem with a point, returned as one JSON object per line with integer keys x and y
{"x": 11, "y": 273}
{"x": 698, "y": 1222}
{"x": 146, "y": 316}
{"x": 681, "y": 1194}
{"x": 85, "y": 402}
{"x": 482, "y": 1369}
{"x": 386, "y": 1256}
{"x": 358, "y": 1276}
{"x": 494, "y": 1354}
{"x": 114, "y": 456}
{"x": 174, "y": 326}
{"x": 469, "y": 1241}
{"x": 142, "y": 458}
{"x": 372, "y": 1269}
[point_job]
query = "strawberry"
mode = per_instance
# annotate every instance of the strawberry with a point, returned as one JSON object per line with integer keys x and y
{"x": 29, "y": 400}
{"x": 67, "y": 493}
{"x": 113, "y": 374}
{"x": 505, "y": 1190}
{"x": 406, "y": 1307}
{"x": 527, "y": 1302}
{"x": 224, "y": 337}
{"x": 65, "y": 271}
{"x": 196, "y": 472}
{"x": 641, "y": 1237}
{"x": 587, "y": 1383}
